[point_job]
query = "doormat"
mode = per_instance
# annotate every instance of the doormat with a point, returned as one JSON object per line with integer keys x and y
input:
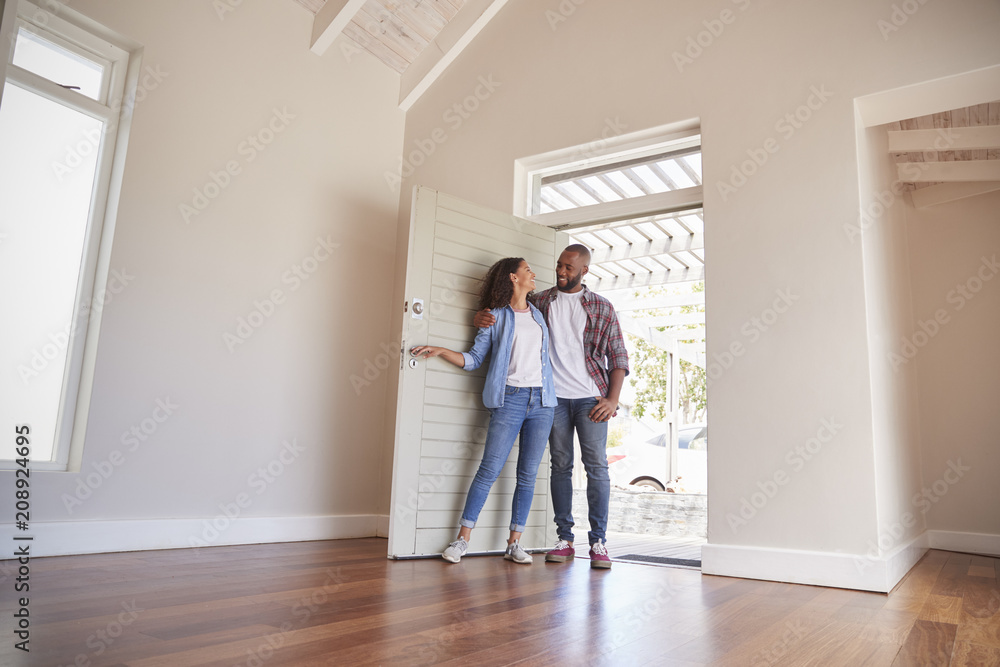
{"x": 660, "y": 559}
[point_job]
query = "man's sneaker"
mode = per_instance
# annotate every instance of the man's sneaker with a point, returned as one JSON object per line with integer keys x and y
{"x": 561, "y": 553}
{"x": 599, "y": 558}
{"x": 517, "y": 554}
{"x": 455, "y": 550}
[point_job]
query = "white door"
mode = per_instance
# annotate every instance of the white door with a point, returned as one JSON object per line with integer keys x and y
{"x": 440, "y": 419}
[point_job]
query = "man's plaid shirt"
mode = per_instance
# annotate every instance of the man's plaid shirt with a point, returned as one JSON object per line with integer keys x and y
{"x": 602, "y": 338}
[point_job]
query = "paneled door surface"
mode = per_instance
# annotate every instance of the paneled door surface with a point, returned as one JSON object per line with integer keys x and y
{"x": 440, "y": 419}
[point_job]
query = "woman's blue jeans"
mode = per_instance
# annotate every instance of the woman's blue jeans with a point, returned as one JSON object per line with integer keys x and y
{"x": 522, "y": 412}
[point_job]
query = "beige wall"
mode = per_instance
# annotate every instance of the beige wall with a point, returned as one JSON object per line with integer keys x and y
{"x": 560, "y": 85}
{"x": 958, "y": 368}
{"x": 162, "y": 337}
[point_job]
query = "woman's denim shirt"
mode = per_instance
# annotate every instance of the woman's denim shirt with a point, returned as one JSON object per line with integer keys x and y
{"x": 499, "y": 339}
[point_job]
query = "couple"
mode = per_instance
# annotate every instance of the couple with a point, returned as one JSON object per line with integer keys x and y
{"x": 559, "y": 363}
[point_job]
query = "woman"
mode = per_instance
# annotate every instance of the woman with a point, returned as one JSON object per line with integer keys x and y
{"x": 519, "y": 395}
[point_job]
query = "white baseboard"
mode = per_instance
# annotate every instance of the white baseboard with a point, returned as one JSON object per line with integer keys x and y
{"x": 972, "y": 543}
{"x": 64, "y": 538}
{"x": 382, "y": 529}
{"x": 817, "y": 568}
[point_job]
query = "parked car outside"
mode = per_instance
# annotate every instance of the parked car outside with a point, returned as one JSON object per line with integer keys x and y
{"x": 642, "y": 462}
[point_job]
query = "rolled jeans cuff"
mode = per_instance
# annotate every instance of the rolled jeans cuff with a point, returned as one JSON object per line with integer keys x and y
{"x": 466, "y": 523}
{"x": 516, "y": 528}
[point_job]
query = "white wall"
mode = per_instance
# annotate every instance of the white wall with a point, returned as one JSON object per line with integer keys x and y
{"x": 883, "y": 231}
{"x": 162, "y": 336}
{"x": 958, "y": 369}
{"x": 782, "y": 229}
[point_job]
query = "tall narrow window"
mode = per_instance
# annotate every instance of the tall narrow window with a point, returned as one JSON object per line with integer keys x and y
{"x": 59, "y": 124}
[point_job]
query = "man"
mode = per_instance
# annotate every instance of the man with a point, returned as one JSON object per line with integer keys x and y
{"x": 589, "y": 365}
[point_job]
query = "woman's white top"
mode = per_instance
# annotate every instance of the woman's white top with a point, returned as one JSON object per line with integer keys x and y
{"x": 525, "y": 369}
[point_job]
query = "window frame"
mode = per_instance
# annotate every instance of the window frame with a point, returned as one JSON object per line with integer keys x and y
{"x": 69, "y": 29}
{"x": 600, "y": 154}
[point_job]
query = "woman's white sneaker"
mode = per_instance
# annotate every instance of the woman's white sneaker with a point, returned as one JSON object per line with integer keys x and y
{"x": 517, "y": 554}
{"x": 455, "y": 550}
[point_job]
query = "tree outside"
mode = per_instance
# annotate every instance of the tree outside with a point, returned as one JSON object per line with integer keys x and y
{"x": 650, "y": 375}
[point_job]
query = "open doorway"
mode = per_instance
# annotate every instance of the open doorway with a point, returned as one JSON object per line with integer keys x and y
{"x": 639, "y": 211}
{"x": 657, "y": 444}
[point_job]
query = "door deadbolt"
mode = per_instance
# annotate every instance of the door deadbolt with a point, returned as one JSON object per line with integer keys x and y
{"x": 418, "y": 309}
{"x": 413, "y": 363}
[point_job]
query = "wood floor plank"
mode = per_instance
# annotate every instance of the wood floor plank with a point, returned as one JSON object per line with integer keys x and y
{"x": 979, "y": 622}
{"x": 837, "y": 644}
{"x": 949, "y": 581}
{"x": 968, "y": 654}
{"x": 928, "y": 643}
{"x": 941, "y": 609}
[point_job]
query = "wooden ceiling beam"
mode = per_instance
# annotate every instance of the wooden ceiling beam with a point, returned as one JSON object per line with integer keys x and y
{"x": 330, "y": 21}
{"x": 953, "y": 138}
{"x": 946, "y": 192}
{"x": 439, "y": 54}
{"x": 950, "y": 172}
{"x": 650, "y": 279}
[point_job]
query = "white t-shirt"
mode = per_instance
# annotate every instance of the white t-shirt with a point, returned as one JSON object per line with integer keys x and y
{"x": 525, "y": 369}
{"x": 567, "y": 322}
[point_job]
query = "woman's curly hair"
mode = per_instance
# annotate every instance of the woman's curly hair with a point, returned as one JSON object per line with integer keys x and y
{"x": 497, "y": 289}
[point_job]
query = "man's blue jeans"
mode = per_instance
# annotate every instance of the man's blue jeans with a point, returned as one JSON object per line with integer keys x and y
{"x": 572, "y": 414}
{"x": 522, "y": 412}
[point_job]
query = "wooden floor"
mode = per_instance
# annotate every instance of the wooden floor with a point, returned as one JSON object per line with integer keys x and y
{"x": 343, "y": 603}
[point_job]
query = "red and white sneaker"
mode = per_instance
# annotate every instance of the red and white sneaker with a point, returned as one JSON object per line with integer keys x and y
{"x": 561, "y": 553}
{"x": 599, "y": 559}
